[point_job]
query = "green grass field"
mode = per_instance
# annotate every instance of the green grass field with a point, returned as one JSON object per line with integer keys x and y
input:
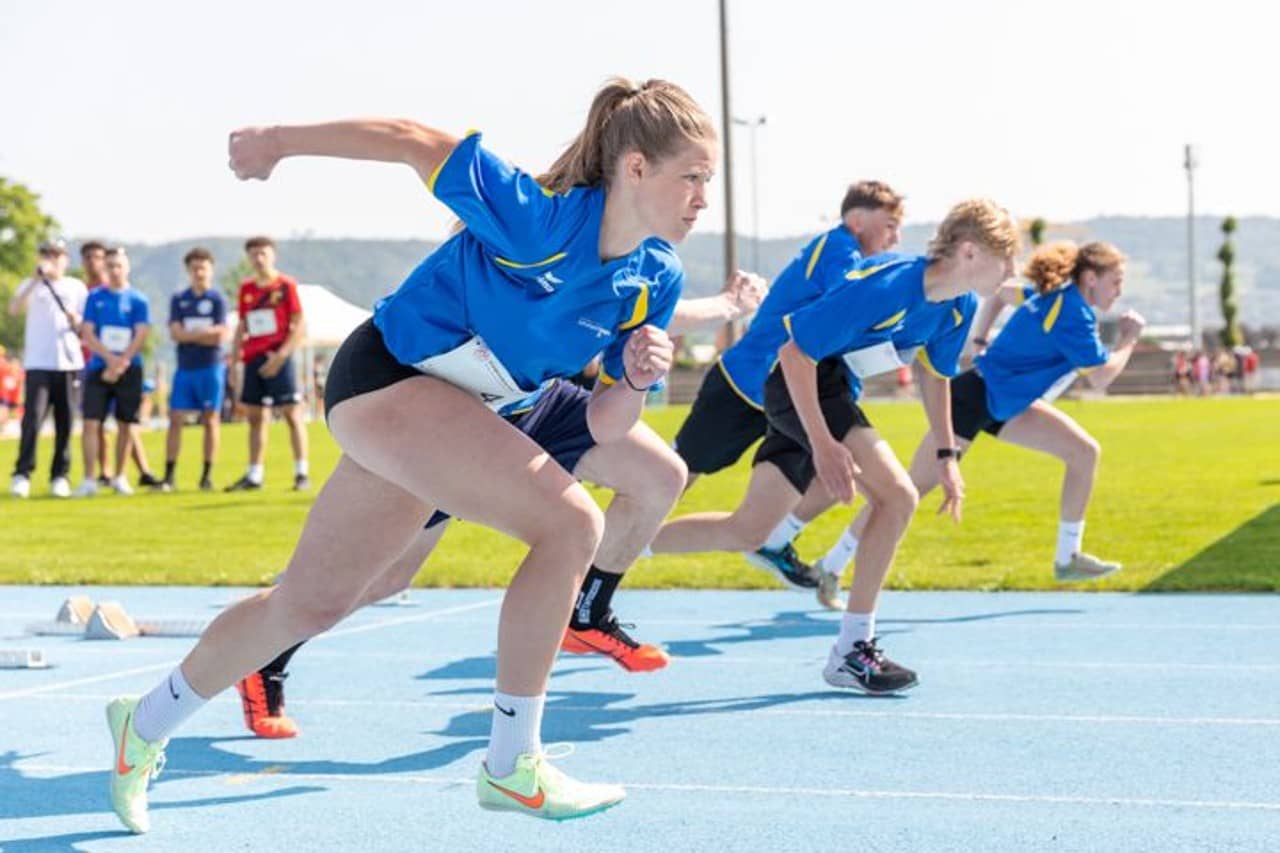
{"x": 1188, "y": 498}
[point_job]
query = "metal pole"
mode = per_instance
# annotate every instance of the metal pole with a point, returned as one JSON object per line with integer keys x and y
{"x": 755, "y": 199}
{"x": 1190, "y": 162}
{"x": 726, "y": 122}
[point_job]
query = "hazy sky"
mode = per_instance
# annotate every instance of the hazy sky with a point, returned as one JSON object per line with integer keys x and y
{"x": 117, "y": 113}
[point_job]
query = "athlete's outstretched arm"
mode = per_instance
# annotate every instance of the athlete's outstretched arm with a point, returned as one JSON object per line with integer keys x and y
{"x": 1130, "y": 326}
{"x": 935, "y": 393}
{"x": 255, "y": 151}
{"x": 741, "y": 295}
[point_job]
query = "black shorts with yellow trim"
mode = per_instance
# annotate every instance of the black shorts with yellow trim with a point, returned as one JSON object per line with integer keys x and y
{"x": 786, "y": 445}
{"x": 721, "y": 426}
{"x": 969, "y": 412}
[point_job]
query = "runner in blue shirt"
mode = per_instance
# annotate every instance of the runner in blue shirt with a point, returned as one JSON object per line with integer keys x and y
{"x": 1049, "y": 340}
{"x": 541, "y": 278}
{"x": 727, "y": 416}
{"x": 198, "y": 325}
{"x": 891, "y": 309}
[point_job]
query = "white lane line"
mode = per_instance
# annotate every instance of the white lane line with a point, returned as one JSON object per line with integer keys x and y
{"x": 824, "y": 617}
{"x": 554, "y": 707}
{"x": 282, "y": 772}
{"x": 344, "y": 632}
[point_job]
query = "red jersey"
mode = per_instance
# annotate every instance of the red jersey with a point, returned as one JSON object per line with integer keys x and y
{"x": 10, "y": 382}
{"x": 264, "y": 314}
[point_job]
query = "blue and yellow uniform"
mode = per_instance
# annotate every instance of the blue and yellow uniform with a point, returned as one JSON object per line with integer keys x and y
{"x": 526, "y": 279}
{"x": 512, "y": 303}
{"x": 876, "y": 320}
{"x": 727, "y": 415}
{"x": 1048, "y": 339}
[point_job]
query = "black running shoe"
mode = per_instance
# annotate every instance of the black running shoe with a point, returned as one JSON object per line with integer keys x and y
{"x": 787, "y": 565}
{"x": 149, "y": 480}
{"x": 301, "y": 483}
{"x": 244, "y": 484}
{"x": 206, "y": 485}
{"x": 104, "y": 480}
{"x": 867, "y": 670}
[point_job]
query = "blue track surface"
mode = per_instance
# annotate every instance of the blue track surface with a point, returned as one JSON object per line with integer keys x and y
{"x": 1042, "y": 722}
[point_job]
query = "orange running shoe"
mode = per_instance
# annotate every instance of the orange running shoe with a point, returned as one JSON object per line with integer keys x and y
{"x": 608, "y": 638}
{"x": 262, "y": 696}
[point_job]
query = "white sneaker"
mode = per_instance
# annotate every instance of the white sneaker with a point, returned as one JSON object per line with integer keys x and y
{"x": 87, "y": 489}
{"x": 60, "y": 488}
{"x": 121, "y": 485}
{"x": 20, "y": 486}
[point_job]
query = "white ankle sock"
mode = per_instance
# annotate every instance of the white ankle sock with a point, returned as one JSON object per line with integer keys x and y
{"x": 782, "y": 535}
{"x": 301, "y": 468}
{"x": 1070, "y": 537}
{"x": 516, "y": 729}
{"x": 166, "y": 707}
{"x": 256, "y": 473}
{"x": 855, "y": 627}
{"x": 837, "y": 559}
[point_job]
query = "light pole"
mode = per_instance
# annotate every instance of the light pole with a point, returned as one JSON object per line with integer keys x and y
{"x": 754, "y": 124}
{"x": 1190, "y": 162}
{"x": 730, "y": 249}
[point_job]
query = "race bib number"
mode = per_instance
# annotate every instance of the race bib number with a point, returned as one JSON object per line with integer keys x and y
{"x": 197, "y": 324}
{"x": 115, "y": 338}
{"x": 474, "y": 368}
{"x": 1060, "y": 387}
{"x": 873, "y": 360}
{"x": 261, "y": 322}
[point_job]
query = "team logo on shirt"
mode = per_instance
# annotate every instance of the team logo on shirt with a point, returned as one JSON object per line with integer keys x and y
{"x": 588, "y": 323}
{"x": 548, "y": 281}
{"x": 205, "y": 306}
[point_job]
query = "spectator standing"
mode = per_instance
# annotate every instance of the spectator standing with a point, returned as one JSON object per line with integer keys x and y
{"x": 54, "y": 303}
{"x": 270, "y": 330}
{"x": 198, "y": 325}
{"x": 117, "y": 320}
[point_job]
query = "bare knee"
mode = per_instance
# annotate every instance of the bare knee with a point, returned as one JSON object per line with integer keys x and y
{"x": 575, "y": 526}
{"x": 898, "y": 502}
{"x": 312, "y": 612}
{"x": 1085, "y": 454}
{"x": 661, "y": 482}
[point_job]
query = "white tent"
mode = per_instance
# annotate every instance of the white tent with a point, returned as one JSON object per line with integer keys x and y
{"x": 328, "y": 319}
{"x": 328, "y": 316}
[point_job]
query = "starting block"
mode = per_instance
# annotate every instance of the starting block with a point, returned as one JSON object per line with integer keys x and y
{"x": 78, "y": 617}
{"x": 23, "y": 659}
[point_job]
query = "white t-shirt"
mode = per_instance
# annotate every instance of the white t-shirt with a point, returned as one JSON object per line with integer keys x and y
{"x": 51, "y": 343}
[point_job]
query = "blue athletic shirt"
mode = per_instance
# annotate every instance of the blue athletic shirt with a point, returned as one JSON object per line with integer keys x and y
{"x": 882, "y": 301}
{"x": 198, "y": 312}
{"x": 1047, "y": 337}
{"x": 113, "y": 315}
{"x": 525, "y": 275}
{"x": 822, "y": 263}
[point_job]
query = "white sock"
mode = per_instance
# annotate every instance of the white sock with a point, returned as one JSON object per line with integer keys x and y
{"x": 783, "y": 534}
{"x": 837, "y": 559}
{"x": 256, "y": 473}
{"x": 855, "y": 627}
{"x": 301, "y": 468}
{"x": 1070, "y": 536}
{"x": 166, "y": 707}
{"x": 516, "y": 730}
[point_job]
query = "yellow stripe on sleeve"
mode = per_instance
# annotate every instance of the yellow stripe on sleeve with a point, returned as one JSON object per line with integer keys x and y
{"x": 640, "y": 310}
{"x": 542, "y": 263}
{"x": 1052, "y": 316}
{"x": 813, "y": 259}
{"x": 923, "y": 357}
{"x": 435, "y": 173}
{"x": 890, "y": 322}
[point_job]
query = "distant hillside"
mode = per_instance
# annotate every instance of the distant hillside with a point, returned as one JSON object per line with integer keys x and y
{"x": 363, "y": 270}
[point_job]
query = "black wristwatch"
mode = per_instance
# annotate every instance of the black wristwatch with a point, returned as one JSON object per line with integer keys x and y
{"x": 949, "y": 453}
{"x": 981, "y": 342}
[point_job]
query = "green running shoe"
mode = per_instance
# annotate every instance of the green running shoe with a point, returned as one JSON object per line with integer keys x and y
{"x": 134, "y": 763}
{"x": 537, "y": 789}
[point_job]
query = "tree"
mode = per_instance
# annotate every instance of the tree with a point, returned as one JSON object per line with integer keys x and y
{"x": 22, "y": 227}
{"x": 1227, "y": 289}
{"x": 1037, "y": 230}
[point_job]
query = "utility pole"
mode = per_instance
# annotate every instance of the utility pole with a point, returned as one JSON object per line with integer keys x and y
{"x": 1191, "y": 161}
{"x": 726, "y": 143}
{"x": 754, "y": 124}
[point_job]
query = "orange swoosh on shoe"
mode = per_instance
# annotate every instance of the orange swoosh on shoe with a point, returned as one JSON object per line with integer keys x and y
{"x": 531, "y": 802}
{"x": 123, "y": 767}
